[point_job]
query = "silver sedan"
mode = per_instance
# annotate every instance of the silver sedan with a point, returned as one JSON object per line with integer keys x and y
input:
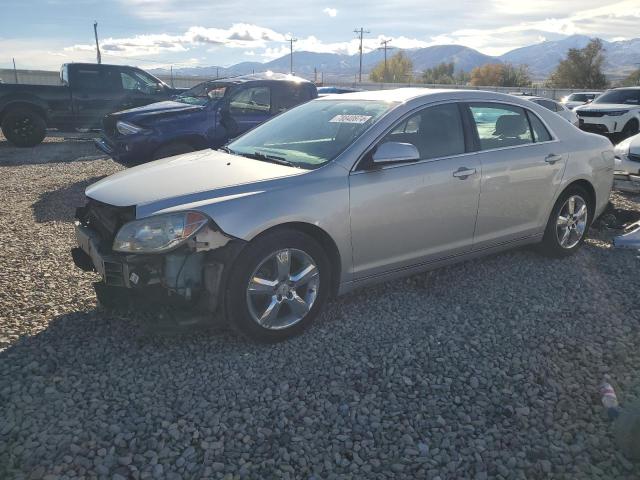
{"x": 339, "y": 193}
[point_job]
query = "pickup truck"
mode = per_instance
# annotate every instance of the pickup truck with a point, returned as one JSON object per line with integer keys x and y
{"x": 205, "y": 116}
{"x": 88, "y": 92}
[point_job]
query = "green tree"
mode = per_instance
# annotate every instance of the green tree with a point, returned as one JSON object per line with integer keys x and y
{"x": 513, "y": 76}
{"x": 582, "y": 68}
{"x": 632, "y": 79}
{"x": 399, "y": 68}
{"x": 500, "y": 75}
{"x": 442, "y": 74}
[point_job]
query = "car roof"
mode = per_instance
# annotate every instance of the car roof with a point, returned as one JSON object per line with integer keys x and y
{"x": 259, "y": 77}
{"x": 403, "y": 95}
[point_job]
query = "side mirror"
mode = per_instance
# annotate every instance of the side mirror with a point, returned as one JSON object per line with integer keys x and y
{"x": 395, "y": 152}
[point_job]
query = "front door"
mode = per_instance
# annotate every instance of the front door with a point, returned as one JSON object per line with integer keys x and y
{"x": 411, "y": 213}
{"x": 522, "y": 167}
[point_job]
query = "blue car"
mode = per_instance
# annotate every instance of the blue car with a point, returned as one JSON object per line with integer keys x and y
{"x": 205, "y": 116}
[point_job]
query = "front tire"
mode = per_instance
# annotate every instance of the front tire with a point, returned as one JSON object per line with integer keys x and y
{"x": 568, "y": 223}
{"x": 279, "y": 284}
{"x": 24, "y": 127}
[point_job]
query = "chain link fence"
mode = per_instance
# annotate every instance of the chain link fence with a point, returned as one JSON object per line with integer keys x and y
{"x": 42, "y": 77}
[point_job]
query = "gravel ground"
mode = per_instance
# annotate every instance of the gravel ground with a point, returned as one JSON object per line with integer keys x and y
{"x": 487, "y": 369}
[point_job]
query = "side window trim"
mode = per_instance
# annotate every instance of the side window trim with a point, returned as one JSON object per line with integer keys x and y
{"x": 361, "y": 165}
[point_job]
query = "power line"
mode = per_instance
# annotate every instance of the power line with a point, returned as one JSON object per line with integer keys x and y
{"x": 291, "y": 40}
{"x": 361, "y": 32}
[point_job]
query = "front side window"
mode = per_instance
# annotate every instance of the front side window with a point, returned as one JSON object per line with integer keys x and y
{"x": 500, "y": 125}
{"x": 289, "y": 95}
{"x": 312, "y": 134}
{"x": 251, "y": 100}
{"x": 435, "y": 131}
{"x": 137, "y": 81}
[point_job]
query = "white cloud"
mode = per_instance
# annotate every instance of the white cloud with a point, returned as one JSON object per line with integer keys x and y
{"x": 332, "y": 12}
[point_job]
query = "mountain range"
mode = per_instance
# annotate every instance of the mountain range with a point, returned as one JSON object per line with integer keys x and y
{"x": 622, "y": 57}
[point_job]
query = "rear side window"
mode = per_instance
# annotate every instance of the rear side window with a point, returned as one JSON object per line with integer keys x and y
{"x": 290, "y": 95}
{"x": 97, "y": 79}
{"x": 435, "y": 131}
{"x": 251, "y": 100}
{"x": 540, "y": 132}
{"x": 500, "y": 125}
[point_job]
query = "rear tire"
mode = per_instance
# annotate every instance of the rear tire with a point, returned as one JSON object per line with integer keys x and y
{"x": 172, "y": 149}
{"x": 24, "y": 127}
{"x": 567, "y": 225}
{"x": 273, "y": 295}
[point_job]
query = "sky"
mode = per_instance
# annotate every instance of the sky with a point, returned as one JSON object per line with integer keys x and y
{"x": 43, "y": 34}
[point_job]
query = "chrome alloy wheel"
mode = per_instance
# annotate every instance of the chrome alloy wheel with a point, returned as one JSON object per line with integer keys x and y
{"x": 282, "y": 290}
{"x": 572, "y": 221}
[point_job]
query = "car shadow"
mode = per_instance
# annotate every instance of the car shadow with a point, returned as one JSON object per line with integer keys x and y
{"x": 60, "y": 204}
{"x": 54, "y": 149}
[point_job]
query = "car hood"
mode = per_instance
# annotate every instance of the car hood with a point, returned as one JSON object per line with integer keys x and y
{"x": 179, "y": 180}
{"x": 606, "y": 106}
{"x": 155, "y": 110}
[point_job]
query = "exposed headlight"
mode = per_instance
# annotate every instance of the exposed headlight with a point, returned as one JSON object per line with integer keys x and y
{"x": 158, "y": 233}
{"x": 616, "y": 113}
{"x": 126, "y": 128}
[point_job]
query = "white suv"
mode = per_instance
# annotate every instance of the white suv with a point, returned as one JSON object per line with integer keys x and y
{"x": 616, "y": 111}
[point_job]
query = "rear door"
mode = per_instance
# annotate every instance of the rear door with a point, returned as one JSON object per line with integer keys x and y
{"x": 96, "y": 90}
{"x": 522, "y": 166}
{"x": 249, "y": 106}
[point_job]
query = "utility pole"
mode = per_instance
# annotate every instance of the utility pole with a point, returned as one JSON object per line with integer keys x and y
{"x": 15, "y": 72}
{"x": 171, "y": 70}
{"x": 291, "y": 40}
{"x": 385, "y": 47}
{"x": 315, "y": 75}
{"x": 95, "y": 32}
{"x": 361, "y": 32}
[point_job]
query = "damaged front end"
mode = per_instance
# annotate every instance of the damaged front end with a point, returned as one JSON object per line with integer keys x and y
{"x": 173, "y": 258}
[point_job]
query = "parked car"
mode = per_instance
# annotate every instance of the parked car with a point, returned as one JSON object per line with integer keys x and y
{"x": 339, "y": 193}
{"x": 616, "y": 112}
{"x": 576, "y": 99}
{"x": 206, "y": 116}
{"x": 554, "y": 106}
{"x": 628, "y": 155}
{"x": 88, "y": 92}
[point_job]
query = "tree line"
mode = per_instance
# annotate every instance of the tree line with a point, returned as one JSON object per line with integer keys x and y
{"x": 581, "y": 68}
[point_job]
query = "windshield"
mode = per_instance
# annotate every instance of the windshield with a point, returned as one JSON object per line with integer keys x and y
{"x": 312, "y": 134}
{"x": 203, "y": 93}
{"x": 580, "y": 97}
{"x": 627, "y": 96}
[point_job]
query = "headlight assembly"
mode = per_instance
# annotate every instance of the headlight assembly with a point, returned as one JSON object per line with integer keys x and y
{"x": 158, "y": 233}
{"x": 126, "y": 128}
{"x": 616, "y": 113}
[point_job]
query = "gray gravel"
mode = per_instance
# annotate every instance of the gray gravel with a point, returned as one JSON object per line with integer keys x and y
{"x": 483, "y": 370}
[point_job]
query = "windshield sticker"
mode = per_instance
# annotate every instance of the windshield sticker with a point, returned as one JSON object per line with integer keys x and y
{"x": 350, "y": 119}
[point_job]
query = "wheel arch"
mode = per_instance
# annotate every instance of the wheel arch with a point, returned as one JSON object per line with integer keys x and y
{"x": 23, "y": 103}
{"x": 586, "y": 186}
{"x": 323, "y": 238}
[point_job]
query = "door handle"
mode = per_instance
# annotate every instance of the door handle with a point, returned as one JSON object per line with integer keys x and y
{"x": 464, "y": 172}
{"x": 552, "y": 158}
